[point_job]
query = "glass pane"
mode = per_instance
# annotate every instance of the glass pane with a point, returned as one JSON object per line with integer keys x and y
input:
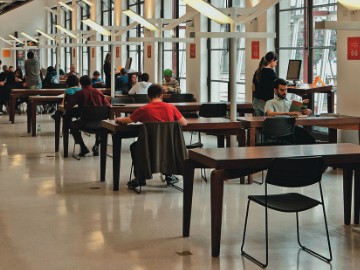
{"x": 286, "y": 4}
{"x": 291, "y": 28}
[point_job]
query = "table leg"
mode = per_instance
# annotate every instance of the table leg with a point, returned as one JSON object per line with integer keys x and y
{"x": 103, "y": 150}
{"x": 220, "y": 141}
{"x": 332, "y": 135}
{"x": 28, "y": 116}
{"x": 251, "y": 136}
{"x": 347, "y": 190}
{"x": 357, "y": 196}
{"x": 65, "y": 130}
{"x": 217, "y": 191}
{"x": 187, "y": 195}
{"x": 330, "y": 102}
{"x": 57, "y": 130}
{"x": 32, "y": 117}
{"x": 116, "y": 160}
{"x": 12, "y": 108}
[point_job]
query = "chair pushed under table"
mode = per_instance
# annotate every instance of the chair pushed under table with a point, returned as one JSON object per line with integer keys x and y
{"x": 290, "y": 173}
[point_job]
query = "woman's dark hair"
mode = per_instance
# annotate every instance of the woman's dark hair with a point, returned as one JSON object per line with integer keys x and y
{"x": 21, "y": 76}
{"x": 271, "y": 56}
{"x": 50, "y": 69}
{"x": 262, "y": 64}
{"x": 72, "y": 80}
{"x": 85, "y": 80}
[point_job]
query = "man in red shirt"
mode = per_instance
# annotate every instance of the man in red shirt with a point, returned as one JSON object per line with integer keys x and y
{"x": 155, "y": 111}
{"x": 88, "y": 96}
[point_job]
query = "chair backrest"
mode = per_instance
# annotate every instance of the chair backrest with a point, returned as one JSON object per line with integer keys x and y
{"x": 122, "y": 100}
{"x": 94, "y": 113}
{"x": 181, "y": 98}
{"x": 213, "y": 110}
{"x": 279, "y": 130}
{"x": 302, "y": 136}
{"x": 160, "y": 148}
{"x": 295, "y": 172}
{"x": 141, "y": 98}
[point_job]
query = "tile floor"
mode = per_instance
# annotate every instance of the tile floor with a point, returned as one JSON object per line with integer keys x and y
{"x": 55, "y": 214}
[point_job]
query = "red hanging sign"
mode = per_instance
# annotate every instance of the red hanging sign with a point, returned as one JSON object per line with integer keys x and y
{"x": 149, "y": 51}
{"x": 353, "y": 48}
{"x": 117, "y": 52}
{"x": 93, "y": 52}
{"x": 192, "y": 50}
{"x": 74, "y": 52}
{"x": 255, "y": 50}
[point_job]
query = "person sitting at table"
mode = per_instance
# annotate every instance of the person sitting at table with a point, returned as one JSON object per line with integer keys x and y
{"x": 122, "y": 82}
{"x": 155, "y": 111}
{"x": 72, "y": 71}
{"x": 170, "y": 85}
{"x": 96, "y": 80}
{"x": 88, "y": 96}
{"x": 141, "y": 87}
{"x": 280, "y": 105}
{"x": 51, "y": 78}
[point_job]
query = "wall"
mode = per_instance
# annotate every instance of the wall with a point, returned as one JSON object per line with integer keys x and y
{"x": 26, "y": 19}
{"x": 348, "y": 91}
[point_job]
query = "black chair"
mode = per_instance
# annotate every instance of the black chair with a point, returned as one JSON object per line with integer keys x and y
{"x": 278, "y": 131}
{"x": 90, "y": 121}
{"x": 290, "y": 173}
{"x": 141, "y": 98}
{"x": 208, "y": 110}
{"x": 181, "y": 98}
{"x": 160, "y": 148}
{"x": 302, "y": 136}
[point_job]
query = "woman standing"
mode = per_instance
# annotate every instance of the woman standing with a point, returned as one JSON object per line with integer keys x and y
{"x": 262, "y": 82}
{"x": 107, "y": 70}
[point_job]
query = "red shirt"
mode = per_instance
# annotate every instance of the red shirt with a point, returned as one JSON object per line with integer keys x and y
{"x": 87, "y": 97}
{"x": 156, "y": 112}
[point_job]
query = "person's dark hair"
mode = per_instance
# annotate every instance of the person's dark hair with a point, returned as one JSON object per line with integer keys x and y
{"x": 30, "y": 55}
{"x": 96, "y": 73}
{"x": 278, "y": 82}
{"x": 154, "y": 91}
{"x": 20, "y": 73}
{"x": 85, "y": 80}
{"x": 72, "y": 80}
{"x": 262, "y": 64}
{"x": 5, "y": 68}
{"x": 271, "y": 56}
{"x": 50, "y": 69}
{"x": 123, "y": 71}
{"x": 108, "y": 57}
{"x": 144, "y": 77}
{"x": 11, "y": 67}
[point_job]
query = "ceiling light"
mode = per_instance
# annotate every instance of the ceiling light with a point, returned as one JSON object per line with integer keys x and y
{"x": 61, "y": 3}
{"x": 88, "y": 2}
{"x": 209, "y": 11}
{"x": 97, "y": 27}
{"x": 16, "y": 39}
{"x": 141, "y": 20}
{"x": 44, "y": 34}
{"x": 29, "y": 37}
{"x": 3, "y": 39}
{"x": 350, "y": 4}
{"x": 62, "y": 29}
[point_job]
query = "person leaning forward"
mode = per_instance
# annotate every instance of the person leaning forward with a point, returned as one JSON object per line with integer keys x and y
{"x": 155, "y": 111}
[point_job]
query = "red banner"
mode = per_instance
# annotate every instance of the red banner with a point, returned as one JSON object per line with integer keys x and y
{"x": 148, "y": 51}
{"x": 74, "y": 52}
{"x": 353, "y": 48}
{"x": 192, "y": 50}
{"x": 93, "y": 52}
{"x": 255, "y": 50}
{"x": 117, "y": 52}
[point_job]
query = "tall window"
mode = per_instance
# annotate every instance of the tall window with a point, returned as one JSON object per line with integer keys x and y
{"x": 218, "y": 55}
{"x": 298, "y": 39}
{"x": 107, "y": 19}
{"x": 84, "y": 50}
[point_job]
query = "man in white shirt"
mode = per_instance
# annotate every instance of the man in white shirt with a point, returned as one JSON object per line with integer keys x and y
{"x": 142, "y": 86}
{"x": 279, "y": 105}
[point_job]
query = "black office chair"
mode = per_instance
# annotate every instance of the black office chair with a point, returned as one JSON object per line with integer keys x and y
{"x": 290, "y": 173}
{"x": 303, "y": 136}
{"x": 160, "y": 148}
{"x": 278, "y": 131}
{"x": 90, "y": 121}
{"x": 181, "y": 98}
{"x": 207, "y": 110}
{"x": 141, "y": 98}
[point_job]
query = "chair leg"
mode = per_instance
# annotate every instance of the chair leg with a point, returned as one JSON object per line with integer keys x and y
{"x": 262, "y": 179}
{"x": 73, "y": 153}
{"x": 248, "y": 256}
{"x": 319, "y": 256}
{"x": 203, "y": 174}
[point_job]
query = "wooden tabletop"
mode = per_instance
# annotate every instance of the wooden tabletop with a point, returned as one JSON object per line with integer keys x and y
{"x": 309, "y": 88}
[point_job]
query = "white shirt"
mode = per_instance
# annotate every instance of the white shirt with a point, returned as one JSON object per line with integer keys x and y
{"x": 140, "y": 88}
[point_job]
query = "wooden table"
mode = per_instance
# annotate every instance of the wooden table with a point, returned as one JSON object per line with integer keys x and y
{"x": 234, "y": 162}
{"x": 309, "y": 90}
{"x": 183, "y": 107}
{"x": 251, "y": 123}
{"x": 16, "y": 93}
{"x": 33, "y": 102}
{"x": 120, "y": 131}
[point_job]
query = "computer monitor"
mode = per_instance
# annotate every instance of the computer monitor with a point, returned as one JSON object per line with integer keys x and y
{"x": 128, "y": 63}
{"x": 293, "y": 72}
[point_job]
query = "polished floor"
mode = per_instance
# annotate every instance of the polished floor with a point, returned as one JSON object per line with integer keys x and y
{"x": 55, "y": 214}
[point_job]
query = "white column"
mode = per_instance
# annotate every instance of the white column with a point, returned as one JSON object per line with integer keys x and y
{"x": 74, "y": 22}
{"x": 93, "y": 50}
{"x": 150, "y": 48}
